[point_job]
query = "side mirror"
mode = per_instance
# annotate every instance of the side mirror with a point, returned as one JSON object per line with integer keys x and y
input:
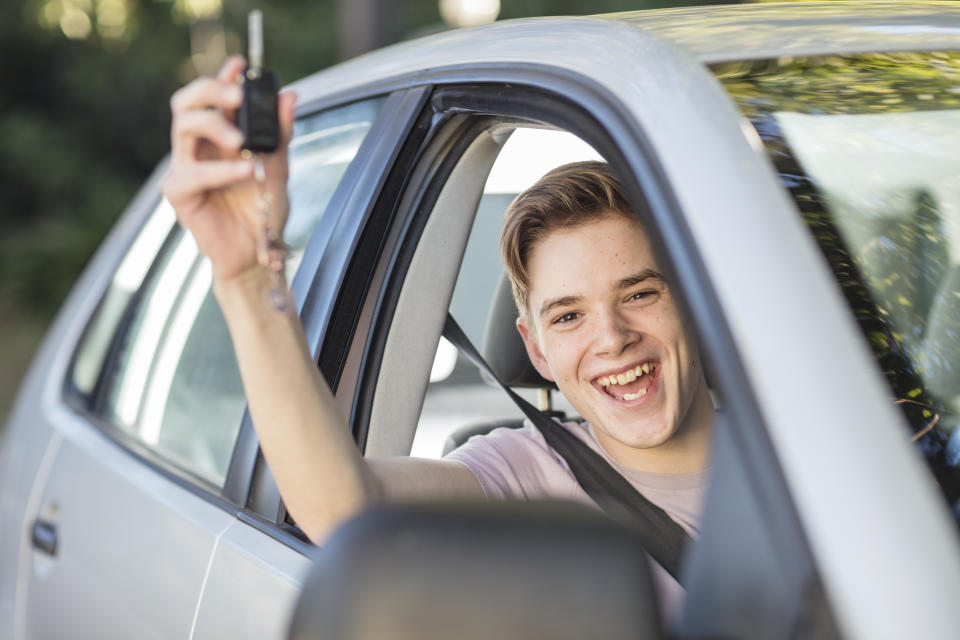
{"x": 479, "y": 570}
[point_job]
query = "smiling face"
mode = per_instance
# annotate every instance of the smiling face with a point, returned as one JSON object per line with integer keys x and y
{"x": 603, "y": 325}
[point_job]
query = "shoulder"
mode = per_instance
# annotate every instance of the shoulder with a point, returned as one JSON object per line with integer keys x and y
{"x": 516, "y": 463}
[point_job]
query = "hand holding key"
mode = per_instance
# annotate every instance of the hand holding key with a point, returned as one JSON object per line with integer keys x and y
{"x": 210, "y": 184}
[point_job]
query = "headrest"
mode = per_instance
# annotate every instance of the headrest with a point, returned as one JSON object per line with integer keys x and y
{"x": 502, "y": 345}
{"x": 476, "y": 571}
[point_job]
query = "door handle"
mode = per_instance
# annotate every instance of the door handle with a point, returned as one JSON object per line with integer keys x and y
{"x": 44, "y": 537}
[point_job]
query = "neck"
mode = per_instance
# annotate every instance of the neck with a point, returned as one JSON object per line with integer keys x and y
{"x": 686, "y": 451}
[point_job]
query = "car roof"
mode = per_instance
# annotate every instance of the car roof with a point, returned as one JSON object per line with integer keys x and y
{"x": 739, "y": 32}
{"x": 708, "y": 34}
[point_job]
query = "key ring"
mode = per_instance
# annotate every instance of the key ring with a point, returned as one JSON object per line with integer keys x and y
{"x": 272, "y": 252}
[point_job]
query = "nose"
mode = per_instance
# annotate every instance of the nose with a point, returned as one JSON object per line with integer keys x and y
{"x": 613, "y": 334}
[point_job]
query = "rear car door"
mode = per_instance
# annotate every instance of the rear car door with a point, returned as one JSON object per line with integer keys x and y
{"x": 138, "y": 483}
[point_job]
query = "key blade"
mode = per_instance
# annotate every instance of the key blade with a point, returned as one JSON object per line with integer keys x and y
{"x": 255, "y": 40}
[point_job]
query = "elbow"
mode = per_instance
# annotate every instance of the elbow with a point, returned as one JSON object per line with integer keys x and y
{"x": 319, "y": 526}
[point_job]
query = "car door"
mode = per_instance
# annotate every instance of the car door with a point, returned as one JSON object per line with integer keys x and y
{"x": 380, "y": 340}
{"x": 136, "y": 488}
{"x": 754, "y": 572}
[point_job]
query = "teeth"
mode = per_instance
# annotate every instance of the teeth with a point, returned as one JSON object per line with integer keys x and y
{"x": 627, "y": 376}
{"x": 634, "y": 396}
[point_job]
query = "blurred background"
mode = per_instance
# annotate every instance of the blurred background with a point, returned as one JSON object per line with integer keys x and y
{"x": 84, "y": 112}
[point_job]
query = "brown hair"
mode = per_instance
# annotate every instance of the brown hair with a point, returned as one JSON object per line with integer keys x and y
{"x": 566, "y": 197}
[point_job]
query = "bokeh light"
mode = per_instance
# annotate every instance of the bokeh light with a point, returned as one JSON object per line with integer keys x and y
{"x": 469, "y": 13}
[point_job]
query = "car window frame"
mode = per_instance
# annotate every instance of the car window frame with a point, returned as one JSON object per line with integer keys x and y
{"x": 589, "y": 114}
{"x": 589, "y": 111}
{"x": 325, "y": 281}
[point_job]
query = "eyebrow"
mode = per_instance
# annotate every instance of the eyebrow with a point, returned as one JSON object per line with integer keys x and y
{"x": 565, "y": 301}
{"x": 638, "y": 277}
{"x": 625, "y": 283}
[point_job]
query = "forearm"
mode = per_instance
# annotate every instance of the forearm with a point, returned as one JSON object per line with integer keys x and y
{"x": 320, "y": 473}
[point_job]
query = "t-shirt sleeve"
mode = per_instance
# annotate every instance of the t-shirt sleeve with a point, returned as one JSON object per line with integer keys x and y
{"x": 509, "y": 463}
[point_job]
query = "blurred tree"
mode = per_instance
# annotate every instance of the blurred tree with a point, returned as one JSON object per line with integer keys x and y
{"x": 81, "y": 124}
{"x": 84, "y": 112}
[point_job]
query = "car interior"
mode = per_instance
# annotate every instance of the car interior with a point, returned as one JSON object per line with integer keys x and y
{"x": 483, "y": 305}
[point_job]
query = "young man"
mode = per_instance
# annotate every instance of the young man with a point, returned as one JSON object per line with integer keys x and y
{"x": 596, "y": 316}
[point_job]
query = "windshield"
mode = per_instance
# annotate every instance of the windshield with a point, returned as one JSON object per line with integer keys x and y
{"x": 869, "y": 148}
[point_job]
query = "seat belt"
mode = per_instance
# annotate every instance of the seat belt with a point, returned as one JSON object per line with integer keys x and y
{"x": 660, "y": 535}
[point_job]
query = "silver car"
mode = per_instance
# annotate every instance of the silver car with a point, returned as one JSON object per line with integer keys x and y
{"x": 799, "y": 167}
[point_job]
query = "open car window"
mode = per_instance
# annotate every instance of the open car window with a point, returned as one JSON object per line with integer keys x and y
{"x": 448, "y": 221}
{"x": 459, "y": 399}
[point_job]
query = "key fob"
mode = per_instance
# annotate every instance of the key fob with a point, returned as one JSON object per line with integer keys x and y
{"x": 257, "y": 117}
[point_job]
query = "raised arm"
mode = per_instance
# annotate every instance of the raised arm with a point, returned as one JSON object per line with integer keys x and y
{"x": 320, "y": 473}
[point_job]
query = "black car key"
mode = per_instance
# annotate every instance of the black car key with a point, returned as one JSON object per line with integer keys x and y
{"x": 257, "y": 117}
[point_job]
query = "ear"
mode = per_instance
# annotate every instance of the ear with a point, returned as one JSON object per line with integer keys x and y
{"x": 529, "y": 335}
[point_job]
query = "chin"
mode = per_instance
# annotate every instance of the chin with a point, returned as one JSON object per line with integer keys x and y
{"x": 642, "y": 436}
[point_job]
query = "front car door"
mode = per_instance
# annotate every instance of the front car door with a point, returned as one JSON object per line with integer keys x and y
{"x": 787, "y": 547}
{"x": 140, "y": 480}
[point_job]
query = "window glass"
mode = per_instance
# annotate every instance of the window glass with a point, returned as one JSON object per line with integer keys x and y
{"x": 174, "y": 383}
{"x": 125, "y": 283}
{"x": 458, "y": 397}
{"x": 869, "y": 148}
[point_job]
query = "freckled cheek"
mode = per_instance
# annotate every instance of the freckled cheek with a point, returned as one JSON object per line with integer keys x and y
{"x": 564, "y": 362}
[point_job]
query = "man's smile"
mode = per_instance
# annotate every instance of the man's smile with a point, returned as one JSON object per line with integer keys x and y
{"x": 629, "y": 384}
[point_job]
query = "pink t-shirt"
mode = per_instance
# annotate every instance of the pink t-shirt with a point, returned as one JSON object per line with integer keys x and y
{"x": 519, "y": 464}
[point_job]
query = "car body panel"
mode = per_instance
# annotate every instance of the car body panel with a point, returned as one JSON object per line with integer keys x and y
{"x": 103, "y": 506}
{"x": 862, "y": 495}
{"x": 29, "y": 430}
{"x": 252, "y": 568}
{"x": 129, "y": 543}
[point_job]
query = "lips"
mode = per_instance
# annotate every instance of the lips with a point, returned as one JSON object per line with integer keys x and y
{"x": 629, "y": 384}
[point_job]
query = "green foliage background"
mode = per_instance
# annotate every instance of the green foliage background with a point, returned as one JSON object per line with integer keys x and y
{"x": 84, "y": 121}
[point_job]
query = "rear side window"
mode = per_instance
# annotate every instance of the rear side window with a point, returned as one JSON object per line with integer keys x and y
{"x": 156, "y": 362}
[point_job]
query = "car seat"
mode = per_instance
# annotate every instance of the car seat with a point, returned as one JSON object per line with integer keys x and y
{"x": 504, "y": 351}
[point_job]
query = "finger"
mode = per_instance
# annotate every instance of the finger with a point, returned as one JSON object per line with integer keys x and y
{"x": 204, "y": 93}
{"x": 194, "y": 180}
{"x": 208, "y": 124}
{"x": 232, "y": 73}
{"x": 286, "y": 105}
{"x": 277, "y": 161}
{"x": 231, "y": 68}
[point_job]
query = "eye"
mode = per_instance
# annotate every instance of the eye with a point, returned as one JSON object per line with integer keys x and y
{"x": 566, "y": 318}
{"x": 641, "y": 296}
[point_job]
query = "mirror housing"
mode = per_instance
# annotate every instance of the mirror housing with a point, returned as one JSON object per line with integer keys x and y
{"x": 479, "y": 570}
